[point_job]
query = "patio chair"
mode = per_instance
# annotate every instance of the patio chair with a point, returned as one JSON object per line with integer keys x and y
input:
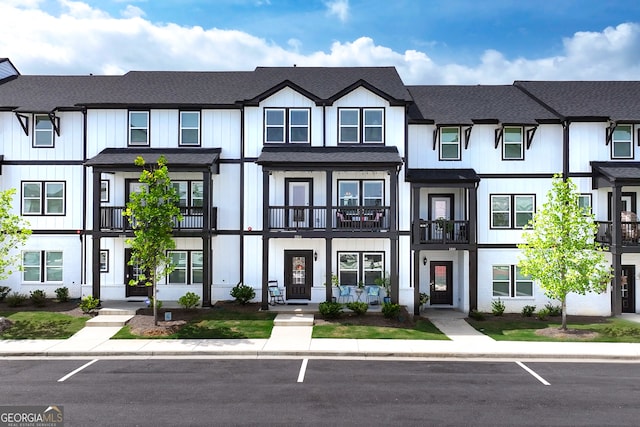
{"x": 275, "y": 293}
{"x": 344, "y": 294}
{"x": 373, "y": 295}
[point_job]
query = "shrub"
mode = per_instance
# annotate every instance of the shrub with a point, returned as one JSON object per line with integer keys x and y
{"x": 476, "y": 315}
{"x": 189, "y": 300}
{"x": 15, "y": 299}
{"x": 497, "y": 307}
{"x": 88, "y": 304}
{"x": 390, "y": 310}
{"x": 243, "y": 293}
{"x": 38, "y": 298}
{"x": 621, "y": 331}
{"x": 543, "y": 313}
{"x": 149, "y": 302}
{"x": 4, "y": 291}
{"x": 62, "y": 294}
{"x": 330, "y": 310}
{"x": 528, "y": 310}
{"x": 358, "y": 307}
{"x": 554, "y": 310}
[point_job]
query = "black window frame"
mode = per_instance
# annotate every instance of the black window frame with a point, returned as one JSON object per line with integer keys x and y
{"x": 440, "y": 143}
{"x": 286, "y": 126}
{"x": 512, "y": 210}
{"x": 43, "y": 198}
{"x": 513, "y": 283}
{"x": 361, "y": 270}
{"x": 504, "y": 143}
{"x": 631, "y": 143}
{"x": 361, "y": 126}
{"x": 129, "y": 128}
{"x": 45, "y": 118}
{"x": 189, "y": 269}
{"x": 180, "y": 128}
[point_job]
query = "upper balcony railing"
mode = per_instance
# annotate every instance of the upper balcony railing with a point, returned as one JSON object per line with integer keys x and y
{"x": 441, "y": 231}
{"x": 629, "y": 232}
{"x": 344, "y": 218}
{"x": 112, "y": 219}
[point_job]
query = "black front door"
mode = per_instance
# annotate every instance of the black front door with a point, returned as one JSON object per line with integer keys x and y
{"x": 298, "y": 274}
{"x": 628, "y": 288}
{"x": 132, "y": 272}
{"x": 441, "y": 282}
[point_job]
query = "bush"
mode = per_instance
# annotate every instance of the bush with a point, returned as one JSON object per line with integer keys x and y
{"x": 358, "y": 307}
{"x": 554, "y": 310}
{"x": 15, "y": 299}
{"x": 4, "y": 291}
{"x": 243, "y": 293}
{"x": 88, "y": 304}
{"x": 62, "y": 294}
{"x": 621, "y": 331}
{"x": 543, "y": 313}
{"x": 528, "y": 310}
{"x": 497, "y": 307}
{"x": 330, "y": 310}
{"x": 476, "y": 315}
{"x": 38, "y": 298}
{"x": 390, "y": 310}
{"x": 189, "y": 300}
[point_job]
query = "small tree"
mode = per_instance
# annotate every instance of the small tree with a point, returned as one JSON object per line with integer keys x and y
{"x": 152, "y": 213}
{"x": 14, "y": 232}
{"x": 560, "y": 251}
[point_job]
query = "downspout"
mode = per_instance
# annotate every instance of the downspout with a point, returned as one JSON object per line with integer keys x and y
{"x": 83, "y": 237}
{"x": 242, "y": 201}
{"x": 565, "y": 149}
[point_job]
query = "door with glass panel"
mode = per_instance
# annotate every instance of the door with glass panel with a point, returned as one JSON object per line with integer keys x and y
{"x": 628, "y": 288}
{"x": 133, "y": 272}
{"x": 440, "y": 213}
{"x": 298, "y": 274}
{"x": 298, "y": 198}
{"x": 441, "y": 282}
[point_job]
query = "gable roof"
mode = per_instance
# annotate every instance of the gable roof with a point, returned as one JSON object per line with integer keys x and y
{"x": 588, "y": 100}
{"x": 456, "y": 105}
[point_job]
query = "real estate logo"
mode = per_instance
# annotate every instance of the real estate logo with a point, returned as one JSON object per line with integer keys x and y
{"x": 31, "y": 416}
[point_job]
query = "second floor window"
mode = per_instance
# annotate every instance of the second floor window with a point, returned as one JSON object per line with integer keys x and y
{"x": 361, "y": 193}
{"x": 450, "y": 143}
{"x": 622, "y": 142}
{"x": 43, "y": 198}
{"x": 190, "y": 193}
{"x": 189, "y": 128}
{"x": 512, "y": 144}
{"x": 138, "y": 128}
{"x": 43, "y": 131}
{"x": 511, "y": 210}
{"x": 364, "y": 125}
{"x": 282, "y": 125}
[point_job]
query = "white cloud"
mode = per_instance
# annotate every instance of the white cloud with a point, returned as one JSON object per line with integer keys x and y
{"x": 339, "y": 8}
{"x": 84, "y": 40}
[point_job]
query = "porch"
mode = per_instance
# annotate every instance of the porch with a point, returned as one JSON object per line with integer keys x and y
{"x": 352, "y": 218}
{"x": 112, "y": 219}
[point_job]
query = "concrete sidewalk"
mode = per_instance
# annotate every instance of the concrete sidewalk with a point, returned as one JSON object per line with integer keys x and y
{"x": 291, "y": 337}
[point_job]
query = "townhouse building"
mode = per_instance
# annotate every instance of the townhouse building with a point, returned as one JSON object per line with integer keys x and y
{"x": 292, "y": 176}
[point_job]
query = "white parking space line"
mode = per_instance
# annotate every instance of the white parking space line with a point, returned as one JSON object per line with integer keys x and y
{"x": 303, "y": 369}
{"x": 533, "y": 373}
{"x": 70, "y": 374}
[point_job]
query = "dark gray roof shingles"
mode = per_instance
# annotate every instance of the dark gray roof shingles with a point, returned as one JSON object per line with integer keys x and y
{"x": 176, "y": 157}
{"x": 293, "y": 155}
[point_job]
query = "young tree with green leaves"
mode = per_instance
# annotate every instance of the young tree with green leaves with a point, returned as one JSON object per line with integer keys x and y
{"x": 560, "y": 251}
{"x": 152, "y": 213}
{"x": 14, "y": 232}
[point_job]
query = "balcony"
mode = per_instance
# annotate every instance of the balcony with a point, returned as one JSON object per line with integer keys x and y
{"x": 442, "y": 232}
{"x": 111, "y": 219}
{"x": 629, "y": 233}
{"x": 343, "y": 218}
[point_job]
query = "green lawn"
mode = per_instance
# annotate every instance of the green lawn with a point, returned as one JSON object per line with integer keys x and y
{"x": 609, "y": 329}
{"x": 218, "y": 324}
{"x": 424, "y": 330}
{"x": 41, "y": 325}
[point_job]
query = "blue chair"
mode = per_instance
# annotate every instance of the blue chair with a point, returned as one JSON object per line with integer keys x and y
{"x": 345, "y": 293}
{"x": 373, "y": 295}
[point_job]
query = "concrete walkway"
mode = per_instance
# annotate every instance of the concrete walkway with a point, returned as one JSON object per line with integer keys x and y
{"x": 291, "y": 337}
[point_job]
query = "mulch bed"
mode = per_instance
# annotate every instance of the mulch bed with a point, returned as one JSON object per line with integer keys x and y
{"x": 68, "y": 307}
{"x": 553, "y": 332}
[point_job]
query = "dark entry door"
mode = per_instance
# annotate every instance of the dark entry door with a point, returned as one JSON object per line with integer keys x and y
{"x": 441, "y": 282}
{"x": 298, "y": 274}
{"x": 132, "y": 272}
{"x": 628, "y": 288}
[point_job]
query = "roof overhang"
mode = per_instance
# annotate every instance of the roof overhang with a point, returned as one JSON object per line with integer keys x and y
{"x": 359, "y": 157}
{"x": 615, "y": 174}
{"x": 443, "y": 177}
{"x": 178, "y": 159}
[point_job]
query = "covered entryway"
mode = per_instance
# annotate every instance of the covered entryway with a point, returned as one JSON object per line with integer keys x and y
{"x": 441, "y": 282}
{"x": 628, "y": 288}
{"x": 298, "y": 274}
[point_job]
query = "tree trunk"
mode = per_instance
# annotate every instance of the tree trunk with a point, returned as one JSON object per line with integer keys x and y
{"x": 564, "y": 313}
{"x": 155, "y": 301}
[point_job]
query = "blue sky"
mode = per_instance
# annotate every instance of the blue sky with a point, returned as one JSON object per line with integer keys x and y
{"x": 429, "y": 41}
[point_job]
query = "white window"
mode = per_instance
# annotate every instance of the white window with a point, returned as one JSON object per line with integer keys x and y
{"x": 450, "y": 143}
{"x": 35, "y": 202}
{"x": 42, "y": 266}
{"x": 104, "y": 190}
{"x": 298, "y": 125}
{"x": 361, "y": 193}
{"x": 43, "y": 131}
{"x": 622, "y": 142}
{"x": 373, "y": 125}
{"x": 351, "y": 131}
{"x": 187, "y": 267}
{"x": 189, "y": 128}
{"x": 513, "y": 145}
{"x": 356, "y": 267}
{"x": 509, "y": 282}
{"x": 104, "y": 261}
{"x": 511, "y": 210}
{"x": 274, "y": 125}
{"x": 138, "y": 128}
{"x": 190, "y": 193}
{"x": 584, "y": 201}
{"x": 286, "y": 125}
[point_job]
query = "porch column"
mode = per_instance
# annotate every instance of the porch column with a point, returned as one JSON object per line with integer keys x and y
{"x": 616, "y": 251}
{"x": 393, "y": 231}
{"x": 207, "y": 275}
{"x": 95, "y": 237}
{"x": 416, "y": 282}
{"x": 473, "y": 250}
{"x": 415, "y": 214}
{"x": 265, "y": 239}
{"x": 328, "y": 241}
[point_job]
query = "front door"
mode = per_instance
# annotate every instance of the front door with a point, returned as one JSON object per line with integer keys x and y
{"x": 131, "y": 272}
{"x": 440, "y": 208}
{"x": 441, "y": 282}
{"x": 298, "y": 274}
{"x": 628, "y": 288}
{"x": 298, "y": 196}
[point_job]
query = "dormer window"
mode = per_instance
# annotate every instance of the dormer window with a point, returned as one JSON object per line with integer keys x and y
{"x": 43, "y": 131}
{"x": 286, "y": 125}
{"x": 138, "y": 128}
{"x": 622, "y": 142}
{"x": 353, "y": 130}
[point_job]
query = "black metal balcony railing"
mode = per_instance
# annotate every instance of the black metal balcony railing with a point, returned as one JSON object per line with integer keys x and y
{"x": 111, "y": 218}
{"x": 629, "y": 232}
{"x": 442, "y": 231}
{"x": 348, "y": 218}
